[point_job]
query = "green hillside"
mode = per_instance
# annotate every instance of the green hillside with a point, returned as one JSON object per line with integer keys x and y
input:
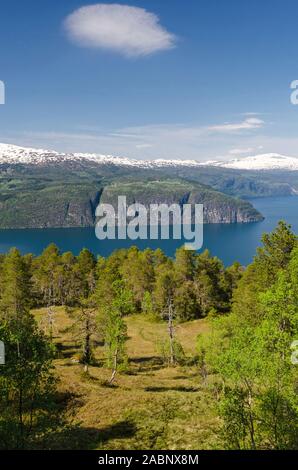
{"x": 68, "y": 197}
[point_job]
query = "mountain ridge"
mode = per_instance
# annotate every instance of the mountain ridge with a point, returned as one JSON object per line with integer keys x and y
{"x": 40, "y": 188}
{"x": 13, "y": 154}
{"x": 266, "y": 161}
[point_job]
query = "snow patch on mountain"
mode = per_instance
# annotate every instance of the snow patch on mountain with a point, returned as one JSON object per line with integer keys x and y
{"x": 13, "y": 154}
{"x": 267, "y": 161}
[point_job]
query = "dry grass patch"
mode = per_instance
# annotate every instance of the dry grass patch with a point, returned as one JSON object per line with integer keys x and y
{"x": 150, "y": 407}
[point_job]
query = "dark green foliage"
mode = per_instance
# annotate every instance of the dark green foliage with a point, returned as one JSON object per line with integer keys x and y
{"x": 251, "y": 351}
{"x": 198, "y": 283}
{"x": 26, "y": 380}
{"x": 275, "y": 253}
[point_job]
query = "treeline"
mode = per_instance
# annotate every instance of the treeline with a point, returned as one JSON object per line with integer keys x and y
{"x": 197, "y": 283}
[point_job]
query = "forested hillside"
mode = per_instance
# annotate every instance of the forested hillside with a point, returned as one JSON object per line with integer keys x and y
{"x": 141, "y": 351}
{"x": 64, "y": 199}
{"x": 39, "y": 190}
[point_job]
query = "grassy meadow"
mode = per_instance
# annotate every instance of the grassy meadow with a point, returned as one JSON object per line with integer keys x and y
{"x": 150, "y": 406}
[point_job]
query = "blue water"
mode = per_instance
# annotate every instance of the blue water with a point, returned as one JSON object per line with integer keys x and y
{"x": 229, "y": 242}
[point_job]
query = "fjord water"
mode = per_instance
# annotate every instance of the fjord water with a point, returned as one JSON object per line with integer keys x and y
{"x": 230, "y": 242}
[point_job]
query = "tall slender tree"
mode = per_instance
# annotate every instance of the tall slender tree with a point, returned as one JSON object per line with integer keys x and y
{"x": 26, "y": 378}
{"x": 114, "y": 327}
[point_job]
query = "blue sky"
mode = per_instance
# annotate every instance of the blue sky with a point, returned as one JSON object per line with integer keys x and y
{"x": 201, "y": 79}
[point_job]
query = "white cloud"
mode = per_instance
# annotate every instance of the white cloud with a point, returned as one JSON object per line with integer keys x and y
{"x": 247, "y": 124}
{"x": 156, "y": 140}
{"x": 252, "y": 114}
{"x": 241, "y": 151}
{"x": 131, "y": 31}
{"x": 144, "y": 146}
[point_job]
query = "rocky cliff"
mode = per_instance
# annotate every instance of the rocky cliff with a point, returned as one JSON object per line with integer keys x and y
{"x": 32, "y": 196}
{"x": 218, "y": 208}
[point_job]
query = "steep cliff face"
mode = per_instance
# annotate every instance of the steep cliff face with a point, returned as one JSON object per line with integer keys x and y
{"x": 27, "y": 202}
{"x": 218, "y": 208}
{"x": 69, "y": 206}
{"x": 222, "y": 209}
{"x": 215, "y": 213}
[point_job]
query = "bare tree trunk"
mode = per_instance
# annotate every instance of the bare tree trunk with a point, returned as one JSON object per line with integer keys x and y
{"x": 50, "y": 322}
{"x": 87, "y": 345}
{"x": 114, "y": 372}
{"x": 171, "y": 333}
{"x": 251, "y": 419}
{"x": 203, "y": 371}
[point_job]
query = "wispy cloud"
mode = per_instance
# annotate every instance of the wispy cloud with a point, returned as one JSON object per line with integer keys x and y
{"x": 244, "y": 151}
{"x": 241, "y": 151}
{"x": 144, "y": 146}
{"x": 130, "y": 31}
{"x": 62, "y": 136}
{"x": 252, "y": 113}
{"x": 247, "y": 124}
{"x": 156, "y": 140}
{"x": 189, "y": 131}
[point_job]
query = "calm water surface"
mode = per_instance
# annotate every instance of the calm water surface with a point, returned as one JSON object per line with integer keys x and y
{"x": 229, "y": 242}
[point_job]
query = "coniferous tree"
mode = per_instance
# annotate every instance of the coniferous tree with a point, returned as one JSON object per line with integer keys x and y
{"x": 138, "y": 273}
{"x": 85, "y": 318}
{"x": 26, "y": 378}
{"x": 46, "y": 276}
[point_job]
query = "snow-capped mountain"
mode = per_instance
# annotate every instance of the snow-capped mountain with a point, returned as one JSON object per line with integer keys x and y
{"x": 267, "y": 161}
{"x": 13, "y": 154}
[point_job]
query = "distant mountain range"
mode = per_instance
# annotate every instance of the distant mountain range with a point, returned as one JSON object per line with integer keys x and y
{"x": 13, "y": 154}
{"x": 266, "y": 161}
{"x": 42, "y": 188}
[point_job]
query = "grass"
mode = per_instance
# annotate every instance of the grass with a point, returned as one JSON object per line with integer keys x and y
{"x": 151, "y": 406}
